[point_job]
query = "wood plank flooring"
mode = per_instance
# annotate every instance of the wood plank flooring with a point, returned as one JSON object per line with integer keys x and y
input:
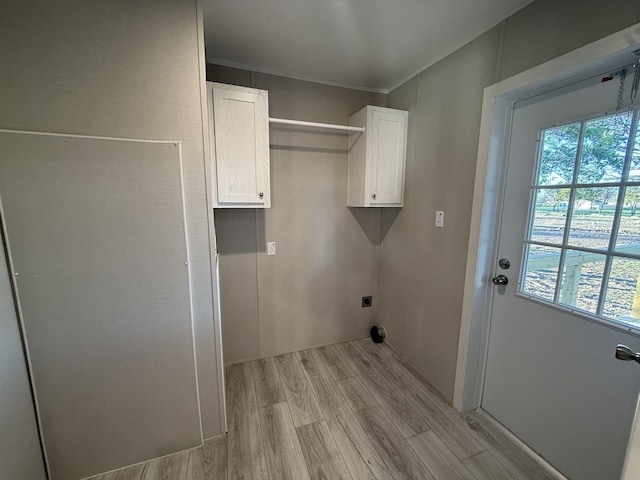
{"x": 349, "y": 411}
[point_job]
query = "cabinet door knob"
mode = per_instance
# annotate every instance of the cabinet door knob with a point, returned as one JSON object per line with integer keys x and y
{"x": 373, "y": 195}
{"x": 261, "y": 194}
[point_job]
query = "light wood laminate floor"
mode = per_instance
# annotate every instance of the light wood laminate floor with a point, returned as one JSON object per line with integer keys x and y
{"x": 354, "y": 410}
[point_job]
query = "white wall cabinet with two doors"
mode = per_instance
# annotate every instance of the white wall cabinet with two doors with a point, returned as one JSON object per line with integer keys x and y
{"x": 239, "y": 123}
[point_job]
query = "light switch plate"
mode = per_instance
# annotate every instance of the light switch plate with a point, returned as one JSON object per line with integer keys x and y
{"x": 271, "y": 248}
{"x": 439, "y": 218}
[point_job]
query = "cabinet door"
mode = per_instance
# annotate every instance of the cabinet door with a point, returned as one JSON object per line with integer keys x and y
{"x": 388, "y": 140}
{"x": 241, "y": 130}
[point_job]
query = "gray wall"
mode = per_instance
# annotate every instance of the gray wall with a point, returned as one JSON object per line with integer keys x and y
{"x": 422, "y": 267}
{"x": 20, "y": 454}
{"x": 327, "y": 254}
{"x": 123, "y": 69}
{"x": 96, "y": 235}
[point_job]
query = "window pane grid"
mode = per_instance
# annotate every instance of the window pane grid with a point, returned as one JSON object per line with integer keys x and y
{"x": 627, "y": 251}
{"x": 569, "y": 216}
{"x": 618, "y": 213}
{"x": 604, "y": 285}
{"x": 556, "y": 292}
{"x": 630, "y": 183}
{"x": 581, "y": 267}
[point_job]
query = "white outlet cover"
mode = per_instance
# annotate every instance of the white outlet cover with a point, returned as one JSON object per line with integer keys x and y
{"x": 439, "y": 218}
{"x": 271, "y": 248}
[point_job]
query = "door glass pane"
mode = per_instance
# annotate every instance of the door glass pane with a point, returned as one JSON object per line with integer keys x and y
{"x": 541, "y": 271}
{"x": 623, "y": 291}
{"x": 604, "y": 149}
{"x": 593, "y": 212}
{"x": 558, "y": 156}
{"x": 595, "y": 151}
{"x": 628, "y": 240}
{"x": 582, "y": 280}
{"x": 549, "y": 215}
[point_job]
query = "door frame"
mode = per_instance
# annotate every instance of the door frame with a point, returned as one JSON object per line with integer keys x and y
{"x": 498, "y": 101}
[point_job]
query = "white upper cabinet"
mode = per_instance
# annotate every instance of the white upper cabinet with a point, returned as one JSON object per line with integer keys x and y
{"x": 239, "y": 136}
{"x": 377, "y": 157}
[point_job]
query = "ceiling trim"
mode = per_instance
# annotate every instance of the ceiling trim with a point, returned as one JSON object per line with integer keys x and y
{"x": 226, "y": 63}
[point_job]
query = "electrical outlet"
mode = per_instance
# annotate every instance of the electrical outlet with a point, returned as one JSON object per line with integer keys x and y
{"x": 366, "y": 301}
{"x": 439, "y": 219}
{"x": 271, "y": 248}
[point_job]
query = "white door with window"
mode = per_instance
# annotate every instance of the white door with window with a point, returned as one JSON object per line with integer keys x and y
{"x": 570, "y": 230}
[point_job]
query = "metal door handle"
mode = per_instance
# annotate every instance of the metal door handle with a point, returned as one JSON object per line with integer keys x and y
{"x": 500, "y": 280}
{"x": 625, "y": 353}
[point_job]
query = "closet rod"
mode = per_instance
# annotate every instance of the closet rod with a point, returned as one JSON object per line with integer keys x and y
{"x": 316, "y": 125}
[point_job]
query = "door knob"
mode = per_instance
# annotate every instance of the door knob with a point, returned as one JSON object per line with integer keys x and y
{"x": 261, "y": 194}
{"x": 625, "y": 353}
{"x": 500, "y": 280}
{"x": 373, "y": 195}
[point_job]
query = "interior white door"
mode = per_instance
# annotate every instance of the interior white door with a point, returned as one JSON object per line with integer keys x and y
{"x": 20, "y": 453}
{"x": 551, "y": 376}
{"x": 388, "y": 140}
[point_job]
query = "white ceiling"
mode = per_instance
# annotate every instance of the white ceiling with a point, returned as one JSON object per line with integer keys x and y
{"x": 366, "y": 44}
